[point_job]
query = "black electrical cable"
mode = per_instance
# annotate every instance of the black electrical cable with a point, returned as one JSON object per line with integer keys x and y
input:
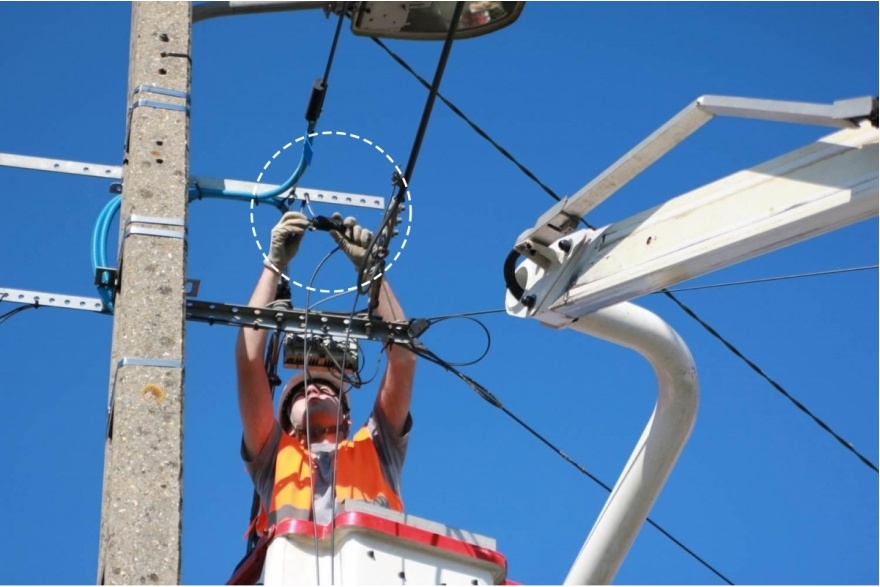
{"x": 470, "y": 123}
{"x": 428, "y": 322}
{"x": 484, "y": 393}
{"x": 771, "y": 381}
{"x": 432, "y": 96}
{"x": 556, "y": 197}
{"x": 319, "y": 87}
{"x": 333, "y": 47}
{"x": 386, "y": 230}
{"x": 15, "y": 311}
{"x": 687, "y": 311}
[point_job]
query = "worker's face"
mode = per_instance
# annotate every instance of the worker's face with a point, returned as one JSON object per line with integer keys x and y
{"x": 321, "y": 401}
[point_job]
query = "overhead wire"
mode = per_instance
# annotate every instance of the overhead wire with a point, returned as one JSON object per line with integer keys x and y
{"x": 679, "y": 289}
{"x": 377, "y": 249}
{"x": 690, "y": 313}
{"x": 339, "y": 416}
{"x": 428, "y": 322}
{"x": 771, "y": 381}
{"x": 479, "y": 389}
{"x": 469, "y": 122}
{"x": 421, "y": 350}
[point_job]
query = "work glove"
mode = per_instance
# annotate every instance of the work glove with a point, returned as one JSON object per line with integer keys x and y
{"x": 286, "y": 237}
{"x": 353, "y": 239}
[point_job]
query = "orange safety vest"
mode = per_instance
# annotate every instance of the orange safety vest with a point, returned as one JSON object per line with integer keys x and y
{"x": 358, "y": 476}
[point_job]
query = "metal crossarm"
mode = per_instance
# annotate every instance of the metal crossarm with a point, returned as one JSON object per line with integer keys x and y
{"x": 336, "y": 325}
{"x": 314, "y": 195}
{"x": 55, "y": 300}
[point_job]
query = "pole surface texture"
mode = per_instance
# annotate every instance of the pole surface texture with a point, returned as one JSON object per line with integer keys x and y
{"x": 142, "y": 497}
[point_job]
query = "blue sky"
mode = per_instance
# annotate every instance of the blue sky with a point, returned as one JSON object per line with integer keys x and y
{"x": 760, "y": 491}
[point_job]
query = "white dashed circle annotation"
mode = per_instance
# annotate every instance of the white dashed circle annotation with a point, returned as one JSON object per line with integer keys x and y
{"x": 365, "y": 141}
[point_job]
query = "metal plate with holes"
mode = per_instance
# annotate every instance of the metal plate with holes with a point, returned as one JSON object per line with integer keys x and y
{"x": 60, "y": 166}
{"x": 298, "y": 321}
{"x": 115, "y": 172}
{"x": 21, "y": 296}
{"x": 299, "y": 193}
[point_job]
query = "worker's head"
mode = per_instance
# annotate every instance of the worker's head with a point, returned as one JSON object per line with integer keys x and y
{"x": 311, "y": 400}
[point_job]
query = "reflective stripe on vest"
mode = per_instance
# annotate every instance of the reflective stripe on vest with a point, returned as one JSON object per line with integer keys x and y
{"x": 358, "y": 476}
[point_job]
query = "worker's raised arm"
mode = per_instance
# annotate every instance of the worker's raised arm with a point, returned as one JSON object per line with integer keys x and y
{"x": 395, "y": 391}
{"x": 254, "y": 400}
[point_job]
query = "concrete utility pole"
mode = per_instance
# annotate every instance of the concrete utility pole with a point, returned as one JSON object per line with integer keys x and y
{"x": 142, "y": 498}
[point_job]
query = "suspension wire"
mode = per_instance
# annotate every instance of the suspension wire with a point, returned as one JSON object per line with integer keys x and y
{"x": 420, "y": 349}
{"x": 338, "y": 418}
{"x": 333, "y": 48}
{"x": 469, "y": 122}
{"x": 339, "y": 414}
{"x": 687, "y": 310}
{"x": 716, "y": 285}
{"x": 767, "y": 279}
{"x": 306, "y": 351}
{"x": 378, "y": 246}
{"x": 467, "y": 314}
{"x": 433, "y": 91}
{"x": 666, "y": 292}
{"x": 770, "y": 380}
{"x": 319, "y": 88}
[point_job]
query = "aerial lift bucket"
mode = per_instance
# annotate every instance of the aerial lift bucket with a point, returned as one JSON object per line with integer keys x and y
{"x": 371, "y": 545}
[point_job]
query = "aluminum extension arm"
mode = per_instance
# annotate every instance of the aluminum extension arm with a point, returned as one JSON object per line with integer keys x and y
{"x": 816, "y": 189}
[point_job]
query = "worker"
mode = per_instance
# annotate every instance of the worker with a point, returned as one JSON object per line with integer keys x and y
{"x": 314, "y": 415}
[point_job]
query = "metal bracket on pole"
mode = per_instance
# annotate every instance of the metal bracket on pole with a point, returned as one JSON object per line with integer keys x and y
{"x": 107, "y": 276}
{"x": 162, "y": 91}
{"x": 60, "y": 166}
{"x": 164, "y": 105}
{"x": 134, "y": 361}
{"x": 135, "y": 219}
{"x": 56, "y": 300}
{"x": 563, "y": 217}
{"x": 171, "y": 93}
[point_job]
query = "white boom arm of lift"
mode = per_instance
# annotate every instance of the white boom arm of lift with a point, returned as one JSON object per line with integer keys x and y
{"x": 584, "y": 279}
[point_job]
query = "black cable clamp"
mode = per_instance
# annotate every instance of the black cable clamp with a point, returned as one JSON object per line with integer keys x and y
{"x": 513, "y": 286}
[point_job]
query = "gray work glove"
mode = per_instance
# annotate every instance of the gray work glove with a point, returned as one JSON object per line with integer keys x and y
{"x": 286, "y": 237}
{"x": 353, "y": 239}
